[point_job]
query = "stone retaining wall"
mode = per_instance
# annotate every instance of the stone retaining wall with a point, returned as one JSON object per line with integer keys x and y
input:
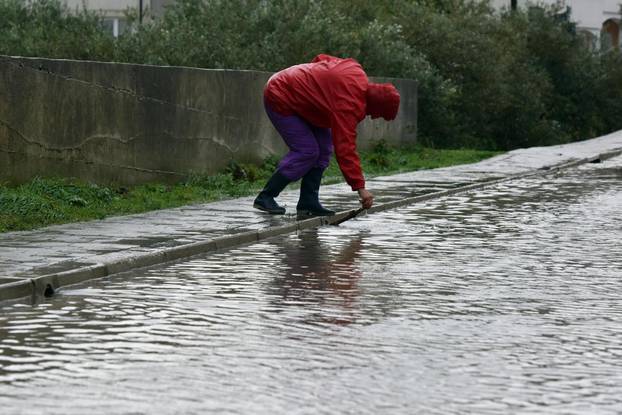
{"x": 129, "y": 124}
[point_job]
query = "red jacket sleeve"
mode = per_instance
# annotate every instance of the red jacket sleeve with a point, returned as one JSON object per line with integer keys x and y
{"x": 343, "y": 128}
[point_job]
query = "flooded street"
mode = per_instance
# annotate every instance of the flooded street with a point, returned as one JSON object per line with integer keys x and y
{"x": 504, "y": 300}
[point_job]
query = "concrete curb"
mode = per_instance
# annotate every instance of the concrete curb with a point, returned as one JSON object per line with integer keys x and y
{"x": 16, "y": 289}
{"x": 46, "y": 285}
{"x": 480, "y": 185}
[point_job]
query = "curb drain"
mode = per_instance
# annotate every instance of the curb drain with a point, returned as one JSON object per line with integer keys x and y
{"x": 47, "y": 285}
{"x": 49, "y": 291}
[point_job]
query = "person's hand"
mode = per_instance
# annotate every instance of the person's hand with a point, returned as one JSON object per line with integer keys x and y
{"x": 366, "y": 198}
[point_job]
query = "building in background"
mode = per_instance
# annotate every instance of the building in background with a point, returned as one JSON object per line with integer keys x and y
{"x": 114, "y": 11}
{"x": 598, "y": 21}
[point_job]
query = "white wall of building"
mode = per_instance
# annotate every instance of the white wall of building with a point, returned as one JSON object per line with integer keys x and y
{"x": 114, "y": 11}
{"x": 118, "y": 7}
{"x": 107, "y": 7}
{"x": 588, "y": 14}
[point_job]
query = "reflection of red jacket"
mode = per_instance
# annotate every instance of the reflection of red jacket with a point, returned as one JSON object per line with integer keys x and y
{"x": 330, "y": 93}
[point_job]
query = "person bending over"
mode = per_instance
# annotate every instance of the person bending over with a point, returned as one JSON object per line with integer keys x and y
{"x": 315, "y": 106}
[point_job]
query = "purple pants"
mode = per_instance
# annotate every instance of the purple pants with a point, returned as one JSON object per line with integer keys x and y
{"x": 309, "y": 146}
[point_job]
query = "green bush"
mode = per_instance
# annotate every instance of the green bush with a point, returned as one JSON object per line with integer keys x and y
{"x": 486, "y": 79}
{"x": 47, "y": 28}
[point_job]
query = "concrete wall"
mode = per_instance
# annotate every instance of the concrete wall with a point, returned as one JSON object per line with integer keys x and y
{"x": 129, "y": 124}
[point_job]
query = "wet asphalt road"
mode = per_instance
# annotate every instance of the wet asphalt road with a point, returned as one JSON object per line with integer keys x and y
{"x": 505, "y": 300}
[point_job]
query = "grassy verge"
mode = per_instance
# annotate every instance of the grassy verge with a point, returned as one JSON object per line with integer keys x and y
{"x": 44, "y": 202}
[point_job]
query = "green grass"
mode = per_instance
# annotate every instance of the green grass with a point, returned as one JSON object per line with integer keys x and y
{"x": 43, "y": 202}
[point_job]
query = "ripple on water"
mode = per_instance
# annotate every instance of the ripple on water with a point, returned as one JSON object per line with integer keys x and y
{"x": 504, "y": 300}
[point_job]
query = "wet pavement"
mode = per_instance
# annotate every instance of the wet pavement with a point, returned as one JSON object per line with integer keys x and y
{"x": 24, "y": 255}
{"x": 504, "y": 300}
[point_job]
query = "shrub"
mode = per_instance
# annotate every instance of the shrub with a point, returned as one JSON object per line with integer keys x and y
{"x": 486, "y": 79}
{"x": 47, "y": 28}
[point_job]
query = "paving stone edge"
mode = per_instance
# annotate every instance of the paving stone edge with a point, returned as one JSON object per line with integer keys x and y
{"x": 47, "y": 285}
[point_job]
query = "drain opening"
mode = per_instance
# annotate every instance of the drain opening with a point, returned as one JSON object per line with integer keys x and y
{"x": 49, "y": 291}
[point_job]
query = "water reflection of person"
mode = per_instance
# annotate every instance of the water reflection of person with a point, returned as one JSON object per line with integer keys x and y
{"x": 315, "y": 275}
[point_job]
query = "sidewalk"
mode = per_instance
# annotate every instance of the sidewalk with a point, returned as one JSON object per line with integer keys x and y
{"x": 35, "y": 262}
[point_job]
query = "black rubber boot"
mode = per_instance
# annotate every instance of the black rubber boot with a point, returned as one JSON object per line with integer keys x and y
{"x": 265, "y": 200}
{"x": 309, "y": 201}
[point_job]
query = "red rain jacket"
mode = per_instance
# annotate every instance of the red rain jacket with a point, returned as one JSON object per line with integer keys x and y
{"x": 330, "y": 93}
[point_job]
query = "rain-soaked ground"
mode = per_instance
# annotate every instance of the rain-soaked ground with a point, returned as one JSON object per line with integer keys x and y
{"x": 501, "y": 301}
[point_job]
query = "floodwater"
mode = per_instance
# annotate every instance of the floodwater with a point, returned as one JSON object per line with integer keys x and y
{"x": 506, "y": 300}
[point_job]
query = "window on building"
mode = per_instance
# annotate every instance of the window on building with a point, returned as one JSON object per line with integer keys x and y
{"x": 588, "y": 39}
{"x": 610, "y": 35}
{"x": 114, "y": 25}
